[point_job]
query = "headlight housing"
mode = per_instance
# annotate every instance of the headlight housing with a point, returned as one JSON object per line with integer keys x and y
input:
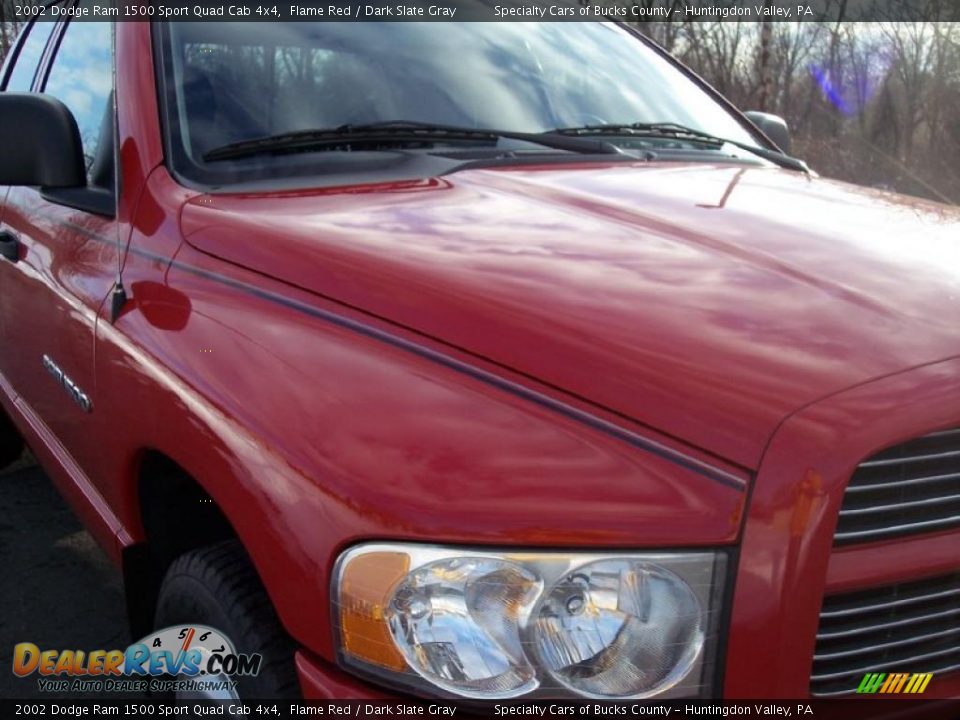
{"x": 455, "y": 622}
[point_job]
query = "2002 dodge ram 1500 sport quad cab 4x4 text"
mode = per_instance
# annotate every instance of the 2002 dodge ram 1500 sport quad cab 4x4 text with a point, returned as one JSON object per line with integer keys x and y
{"x": 478, "y": 361}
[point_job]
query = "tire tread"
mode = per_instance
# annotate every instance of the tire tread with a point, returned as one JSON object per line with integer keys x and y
{"x": 226, "y": 574}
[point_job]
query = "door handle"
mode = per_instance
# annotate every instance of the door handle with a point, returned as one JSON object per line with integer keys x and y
{"x": 9, "y": 246}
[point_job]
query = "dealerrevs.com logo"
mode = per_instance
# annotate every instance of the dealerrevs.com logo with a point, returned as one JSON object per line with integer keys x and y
{"x": 193, "y": 658}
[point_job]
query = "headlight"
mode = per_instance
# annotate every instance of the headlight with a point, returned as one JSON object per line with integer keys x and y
{"x": 488, "y": 625}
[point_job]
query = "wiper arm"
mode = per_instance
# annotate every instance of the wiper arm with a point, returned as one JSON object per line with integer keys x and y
{"x": 662, "y": 129}
{"x": 398, "y": 132}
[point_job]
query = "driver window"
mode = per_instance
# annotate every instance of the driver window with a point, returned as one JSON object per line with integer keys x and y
{"x": 81, "y": 77}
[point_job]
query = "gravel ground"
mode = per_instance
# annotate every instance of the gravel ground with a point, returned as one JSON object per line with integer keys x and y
{"x": 59, "y": 591}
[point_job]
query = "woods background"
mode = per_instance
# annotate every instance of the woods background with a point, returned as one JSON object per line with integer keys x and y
{"x": 872, "y": 103}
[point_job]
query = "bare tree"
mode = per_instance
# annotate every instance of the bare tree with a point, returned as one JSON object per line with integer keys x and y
{"x": 10, "y": 25}
{"x": 873, "y": 103}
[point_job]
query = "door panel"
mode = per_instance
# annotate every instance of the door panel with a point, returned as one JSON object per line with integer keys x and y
{"x": 50, "y": 300}
{"x": 67, "y": 258}
{"x": 20, "y": 71}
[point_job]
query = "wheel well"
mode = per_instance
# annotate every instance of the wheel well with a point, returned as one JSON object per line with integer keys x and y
{"x": 178, "y": 515}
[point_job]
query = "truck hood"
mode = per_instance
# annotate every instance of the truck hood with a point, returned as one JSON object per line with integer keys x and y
{"x": 706, "y": 302}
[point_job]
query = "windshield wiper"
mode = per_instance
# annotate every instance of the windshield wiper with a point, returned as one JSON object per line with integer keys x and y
{"x": 671, "y": 129}
{"x": 399, "y": 132}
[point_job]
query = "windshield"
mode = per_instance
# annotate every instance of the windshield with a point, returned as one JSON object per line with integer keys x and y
{"x": 228, "y": 82}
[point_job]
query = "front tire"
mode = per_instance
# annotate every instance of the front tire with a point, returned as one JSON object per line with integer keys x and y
{"x": 218, "y": 586}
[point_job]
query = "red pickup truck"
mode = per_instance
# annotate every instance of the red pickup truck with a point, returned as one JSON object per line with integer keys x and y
{"x": 478, "y": 361}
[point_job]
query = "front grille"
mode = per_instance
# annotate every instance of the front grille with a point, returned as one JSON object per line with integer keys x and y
{"x": 911, "y": 627}
{"x": 908, "y": 489}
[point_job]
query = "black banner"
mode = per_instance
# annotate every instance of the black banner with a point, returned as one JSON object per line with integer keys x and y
{"x": 488, "y": 10}
{"x": 874, "y": 708}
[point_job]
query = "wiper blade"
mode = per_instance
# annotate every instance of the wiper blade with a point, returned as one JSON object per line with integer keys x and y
{"x": 402, "y": 132}
{"x": 642, "y": 129}
{"x": 671, "y": 129}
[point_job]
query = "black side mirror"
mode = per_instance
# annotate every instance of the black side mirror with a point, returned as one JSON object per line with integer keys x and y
{"x": 39, "y": 142}
{"x": 773, "y": 126}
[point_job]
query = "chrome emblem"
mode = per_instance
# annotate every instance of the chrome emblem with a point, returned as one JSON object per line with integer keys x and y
{"x": 79, "y": 397}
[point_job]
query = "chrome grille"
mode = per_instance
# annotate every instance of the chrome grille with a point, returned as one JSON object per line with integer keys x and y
{"x": 910, "y": 627}
{"x": 908, "y": 489}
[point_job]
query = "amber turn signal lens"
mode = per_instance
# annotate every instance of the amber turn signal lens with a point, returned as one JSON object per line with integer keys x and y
{"x": 365, "y": 586}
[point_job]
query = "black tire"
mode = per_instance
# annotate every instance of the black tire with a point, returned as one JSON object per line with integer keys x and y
{"x": 11, "y": 442}
{"x": 218, "y": 586}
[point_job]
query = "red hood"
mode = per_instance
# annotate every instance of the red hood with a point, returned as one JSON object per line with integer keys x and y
{"x": 708, "y": 302}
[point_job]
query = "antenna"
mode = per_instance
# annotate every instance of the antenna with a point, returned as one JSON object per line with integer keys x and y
{"x": 118, "y": 297}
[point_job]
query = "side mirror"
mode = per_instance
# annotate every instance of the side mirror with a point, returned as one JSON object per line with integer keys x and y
{"x": 39, "y": 142}
{"x": 773, "y": 126}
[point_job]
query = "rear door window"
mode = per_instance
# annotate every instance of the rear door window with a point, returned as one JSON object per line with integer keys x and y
{"x": 25, "y": 66}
